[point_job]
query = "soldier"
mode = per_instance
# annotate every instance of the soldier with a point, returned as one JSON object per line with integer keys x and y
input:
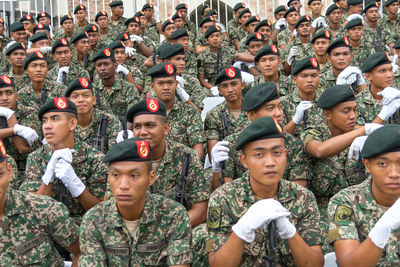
{"x": 4, "y": 39}
{"x": 234, "y": 23}
{"x": 334, "y": 15}
{"x": 282, "y": 33}
{"x": 379, "y": 37}
{"x": 41, "y": 42}
{"x": 254, "y": 42}
{"x": 182, "y": 9}
{"x": 18, "y": 33}
{"x": 29, "y": 23}
{"x": 66, "y": 168}
{"x": 94, "y": 127}
{"x": 94, "y": 35}
{"x": 80, "y": 14}
{"x": 200, "y": 43}
{"x": 391, "y": 21}
{"x": 32, "y": 224}
{"x": 240, "y": 212}
{"x": 265, "y": 28}
{"x": 134, "y": 227}
{"x": 142, "y": 44}
{"x": 80, "y": 56}
{"x": 315, "y": 6}
{"x": 396, "y": 63}
{"x": 240, "y": 32}
{"x": 181, "y": 36}
{"x": 249, "y": 26}
{"x": 44, "y": 18}
{"x": 117, "y": 21}
{"x": 364, "y": 219}
{"x": 205, "y": 8}
{"x": 102, "y": 21}
{"x": 152, "y": 25}
{"x": 320, "y": 43}
{"x": 343, "y": 8}
{"x": 354, "y": 7}
{"x": 180, "y": 24}
{"x": 295, "y": 3}
{"x": 67, "y": 28}
{"x": 279, "y": 12}
{"x": 16, "y": 55}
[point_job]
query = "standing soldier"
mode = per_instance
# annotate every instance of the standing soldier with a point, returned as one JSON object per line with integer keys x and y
{"x": 240, "y": 32}
{"x": 391, "y": 21}
{"x": 80, "y": 14}
{"x": 80, "y": 56}
{"x": 152, "y": 25}
{"x": 117, "y": 21}
{"x": 379, "y": 37}
{"x": 102, "y": 21}
{"x": 320, "y": 43}
{"x": 234, "y": 23}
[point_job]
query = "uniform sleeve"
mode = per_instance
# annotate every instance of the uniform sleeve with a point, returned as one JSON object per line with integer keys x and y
{"x": 33, "y": 172}
{"x": 97, "y": 180}
{"x": 309, "y": 135}
{"x": 114, "y": 128}
{"x": 299, "y": 161}
{"x": 200, "y": 68}
{"x": 212, "y": 125}
{"x": 195, "y": 130}
{"x": 131, "y": 94}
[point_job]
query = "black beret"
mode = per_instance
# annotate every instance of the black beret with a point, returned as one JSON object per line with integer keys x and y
{"x": 79, "y": 36}
{"x": 39, "y": 36}
{"x": 179, "y": 33}
{"x": 33, "y": 57}
{"x": 132, "y": 149}
{"x": 116, "y": 44}
{"x": 3, "y": 154}
{"x": 244, "y": 11}
{"x": 302, "y": 19}
{"x": 27, "y": 18}
{"x": 262, "y": 128}
{"x": 341, "y": 42}
{"x": 375, "y": 60}
{"x": 205, "y": 20}
{"x": 383, "y": 140}
{"x": 66, "y": 17}
{"x": 258, "y": 95}
{"x": 59, "y": 43}
{"x": 266, "y": 50}
{"x": 279, "y": 9}
{"x": 79, "y": 84}
{"x": 176, "y": 16}
{"x": 42, "y": 15}
{"x": 17, "y": 26}
{"x": 15, "y": 46}
{"x": 354, "y": 2}
{"x": 354, "y": 23}
{"x": 211, "y": 30}
{"x": 203, "y": 8}
{"x": 389, "y": 2}
{"x": 335, "y": 95}
{"x": 321, "y": 34}
{"x": 228, "y": 73}
{"x": 252, "y": 19}
{"x": 39, "y": 27}
{"x": 397, "y": 44}
{"x": 290, "y": 10}
{"x": 255, "y": 36}
{"x": 123, "y": 37}
{"x": 91, "y": 28}
{"x": 166, "y": 23}
{"x": 79, "y": 7}
{"x": 99, "y": 14}
{"x": 6, "y": 81}
{"x": 150, "y": 106}
{"x": 310, "y": 1}
{"x": 58, "y": 104}
{"x": 211, "y": 13}
{"x": 139, "y": 14}
{"x": 331, "y": 8}
{"x": 239, "y": 6}
{"x": 265, "y": 22}
{"x": 370, "y": 5}
{"x": 308, "y": 63}
{"x": 147, "y": 5}
{"x": 103, "y": 54}
{"x": 162, "y": 70}
{"x": 132, "y": 20}
{"x": 116, "y": 3}
{"x": 181, "y": 6}
{"x": 170, "y": 50}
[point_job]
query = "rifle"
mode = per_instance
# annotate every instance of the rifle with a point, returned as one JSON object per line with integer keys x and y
{"x": 101, "y": 134}
{"x": 97, "y": 94}
{"x": 270, "y": 258}
{"x": 305, "y": 119}
{"x": 224, "y": 120}
{"x": 124, "y": 128}
{"x": 354, "y": 87}
{"x": 43, "y": 97}
{"x": 218, "y": 60}
{"x": 154, "y": 58}
{"x": 63, "y": 77}
{"x": 180, "y": 186}
{"x": 3, "y": 122}
{"x": 378, "y": 42}
{"x": 85, "y": 61}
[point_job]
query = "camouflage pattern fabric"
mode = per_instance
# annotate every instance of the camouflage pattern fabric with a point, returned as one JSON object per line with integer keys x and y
{"x": 392, "y": 28}
{"x": 305, "y": 50}
{"x": 117, "y": 28}
{"x": 195, "y": 90}
{"x": 190, "y": 64}
{"x": 75, "y": 71}
{"x": 284, "y": 37}
{"x": 19, "y": 80}
{"x": 360, "y": 54}
{"x": 368, "y": 108}
{"x": 285, "y": 84}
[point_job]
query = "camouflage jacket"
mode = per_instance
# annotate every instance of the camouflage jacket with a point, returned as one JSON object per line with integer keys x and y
{"x": 75, "y": 71}
{"x": 195, "y": 90}
{"x": 232, "y": 25}
{"x": 151, "y": 31}
{"x": 393, "y": 28}
{"x": 200, "y": 40}
{"x": 78, "y": 28}
{"x": 190, "y": 64}
{"x": 285, "y": 85}
{"x": 4, "y": 40}
{"x": 364, "y": 50}
{"x": 284, "y": 37}
{"x": 368, "y": 108}
{"x": 305, "y": 50}
{"x": 19, "y": 80}
{"x": 231, "y": 201}
{"x": 328, "y": 79}
{"x": 237, "y": 34}
{"x": 117, "y": 28}
{"x": 190, "y": 26}
{"x": 163, "y": 236}
{"x": 378, "y": 38}
{"x": 339, "y": 33}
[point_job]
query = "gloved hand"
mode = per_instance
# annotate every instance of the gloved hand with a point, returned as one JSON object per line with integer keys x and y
{"x": 27, "y": 133}
{"x": 300, "y": 109}
{"x": 280, "y": 24}
{"x": 156, "y": 13}
{"x": 65, "y": 153}
{"x": 371, "y": 127}
{"x": 136, "y": 38}
{"x": 221, "y": 27}
{"x": 180, "y": 89}
{"x": 45, "y": 49}
{"x": 61, "y": 74}
{"x": 250, "y": 64}
{"x": 6, "y": 112}
{"x": 180, "y": 81}
{"x": 354, "y": 16}
{"x": 293, "y": 53}
{"x": 247, "y": 78}
{"x": 260, "y": 214}
{"x": 219, "y": 153}
{"x": 319, "y": 23}
{"x": 389, "y": 94}
{"x": 286, "y": 229}
{"x": 356, "y": 147}
{"x": 388, "y": 110}
{"x": 64, "y": 171}
{"x": 350, "y": 75}
{"x": 129, "y": 51}
{"x": 389, "y": 222}
{"x": 395, "y": 67}
{"x": 295, "y": 33}
{"x": 214, "y": 91}
{"x": 122, "y": 69}
{"x": 238, "y": 64}
{"x": 120, "y": 136}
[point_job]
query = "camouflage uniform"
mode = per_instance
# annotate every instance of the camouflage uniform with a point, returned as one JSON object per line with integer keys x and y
{"x": 364, "y": 50}
{"x": 285, "y": 85}
{"x": 4, "y": 40}
{"x": 151, "y": 31}
{"x": 233, "y": 24}
{"x": 78, "y": 28}
{"x": 163, "y": 236}
{"x": 90, "y": 65}
{"x": 339, "y": 33}
{"x": 106, "y": 39}
{"x": 61, "y": 34}
{"x": 284, "y": 37}
{"x": 11, "y": 161}
{"x": 137, "y": 75}
{"x": 30, "y": 226}
{"x": 137, "y": 60}
{"x": 231, "y": 201}
{"x": 195, "y": 90}
{"x": 190, "y": 26}
{"x": 51, "y": 61}
{"x": 362, "y": 213}
{"x": 200, "y": 40}
{"x": 19, "y": 80}
{"x": 243, "y": 46}
{"x": 190, "y": 64}
{"x": 368, "y": 108}
{"x": 322, "y": 70}
{"x": 393, "y": 28}
{"x": 328, "y": 79}
{"x": 378, "y": 38}
{"x": 87, "y": 164}
{"x": 117, "y": 28}
{"x": 305, "y": 50}
{"x": 75, "y": 71}
{"x": 237, "y": 34}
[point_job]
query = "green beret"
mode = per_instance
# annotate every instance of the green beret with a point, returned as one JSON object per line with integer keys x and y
{"x": 239, "y": 6}
{"x": 150, "y": 106}
{"x": 176, "y": 16}
{"x": 383, "y": 140}
{"x": 181, "y": 6}
{"x": 279, "y": 9}
{"x": 291, "y": 1}
{"x": 265, "y": 22}
{"x": 266, "y": 50}
{"x": 79, "y": 36}
{"x": 162, "y": 70}
{"x": 166, "y": 23}
{"x": 170, "y": 50}
{"x": 27, "y": 18}
{"x": 58, "y": 104}
{"x": 33, "y": 57}
{"x": 354, "y": 23}
{"x": 370, "y": 5}
{"x": 203, "y": 8}
{"x": 255, "y": 36}
{"x": 205, "y": 20}
{"x": 375, "y": 60}
{"x": 354, "y": 2}
{"x": 100, "y": 14}
{"x": 397, "y": 44}
{"x": 133, "y": 149}
{"x": 341, "y": 42}
{"x": 290, "y": 10}
{"x": 389, "y": 2}
{"x": 211, "y": 13}
{"x": 335, "y": 95}
{"x": 59, "y": 43}
{"x": 39, "y": 36}
{"x": 42, "y": 15}
{"x": 322, "y": 35}
{"x": 78, "y": 84}
{"x": 123, "y": 37}
{"x": 252, "y": 19}
{"x": 132, "y": 20}
{"x": 15, "y": 46}
{"x": 262, "y": 128}
{"x": 6, "y": 81}
{"x": 39, "y": 27}
{"x": 331, "y": 8}
{"x": 17, "y": 26}
{"x": 66, "y": 17}
{"x": 308, "y": 63}
{"x": 139, "y": 14}
{"x": 91, "y": 28}
{"x": 103, "y": 54}
{"x": 79, "y": 7}
{"x": 228, "y": 73}
{"x": 211, "y": 30}
{"x": 116, "y": 3}
{"x": 179, "y": 33}
{"x": 116, "y": 44}
{"x": 3, "y": 154}
{"x": 244, "y": 11}
{"x": 147, "y": 5}
{"x": 310, "y": 1}
{"x": 258, "y": 95}
{"x": 302, "y": 19}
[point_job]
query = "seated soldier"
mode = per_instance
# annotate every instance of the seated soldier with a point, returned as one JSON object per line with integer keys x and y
{"x": 240, "y": 32}
{"x": 234, "y": 23}
{"x": 41, "y": 42}
{"x": 156, "y": 230}
{"x": 265, "y": 28}
{"x": 240, "y": 212}
{"x": 103, "y": 22}
{"x": 4, "y": 39}
{"x": 67, "y": 28}
{"x": 94, "y": 35}
{"x": 254, "y": 42}
{"x": 16, "y": 54}
{"x": 80, "y": 56}
{"x": 29, "y": 23}
{"x": 320, "y": 43}
{"x": 167, "y": 28}
{"x": 143, "y": 44}
{"x": 132, "y": 58}
{"x": 181, "y": 36}
{"x": 18, "y": 34}
{"x": 250, "y": 28}
{"x": 182, "y": 9}
{"x": 81, "y": 16}
{"x": 180, "y": 24}
{"x": 117, "y": 21}
{"x": 284, "y": 29}
{"x": 32, "y": 225}
{"x": 333, "y": 16}
{"x": 153, "y": 23}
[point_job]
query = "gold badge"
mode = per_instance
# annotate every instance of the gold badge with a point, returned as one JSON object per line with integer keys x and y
{"x": 376, "y": 4}
{"x": 142, "y": 148}
{"x": 243, "y": 5}
{"x": 40, "y": 26}
{"x": 214, "y": 217}
{"x": 170, "y": 20}
{"x": 84, "y": 82}
{"x": 63, "y": 41}
{"x": 274, "y": 49}
{"x": 169, "y": 69}
{"x": 107, "y": 52}
{"x": 278, "y": 126}
{"x": 43, "y": 14}
{"x": 87, "y": 36}
{"x": 186, "y": 6}
{"x": 136, "y": 19}
{"x": 327, "y": 34}
{"x": 230, "y": 72}
{"x": 28, "y": 17}
{"x": 258, "y": 36}
{"x": 216, "y": 27}
{"x": 314, "y": 62}
{"x": 209, "y": 245}
{"x": 2, "y": 149}
{"x": 122, "y": 43}
{"x": 81, "y": 7}
{"x": 61, "y": 102}
{"x": 94, "y": 28}
{"x": 6, "y": 79}
{"x": 388, "y": 56}
{"x": 150, "y": 5}
{"x": 257, "y": 18}
{"x": 39, "y": 54}
{"x": 269, "y": 23}
{"x": 346, "y": 40}
{"x": 69, "y": 16}
{"x": 152, "y": 104}
{"x": 342, "y": 213}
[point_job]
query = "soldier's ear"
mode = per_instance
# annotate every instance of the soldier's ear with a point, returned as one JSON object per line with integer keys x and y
{"x": 366, "y": 164}
{"x": 327, "y": 114}
{"x": 152, "y": 177}
{"x": 9, "y": 171}
{"x": 368, "y": 76}
{"x": 243, "y": 159}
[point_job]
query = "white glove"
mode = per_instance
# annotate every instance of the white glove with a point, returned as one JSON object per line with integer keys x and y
{"x": 6, "y": 112}
{"x": 280, "y": 24}
{"x": 129, "y": 51}
{"x": 293, "y": 53}
{"x": 120, "y": 136}
{"x": 260, "y": 214}
{"x": 389, "y": 222}
{"x": 180, "y": 89}
{"x": 393, "y": 58}
{"x": 122, "y": 69}
{"x": 61, "y": 72}
{"x": 27, "y": 133}
{"x": 295, "y": 33}
{"x": 64, "y": 171}
{"x": 286, "y": 229}
{"x": 319, "y": 23}
{"x": 65, "y": 153}
{"x": 45, "y": 49}
{"x": 9, "y": 44}
{"x": 44, "y": 142}
{"x": 250, "y": 64}
{"x": 219, "y": 153}
{"x": 136, "y": 38}
{"x": 238, "y": 64}
{"x": 389, "y": 94}
{"x": 356, "y": 147}
{"x": 395, "y": 67}
{"x": 180, "y": 81}
{"x": 354, "y": 16}
{"x": 389, "y": 109}
{"x": 221, "y": 27}
{"x": 371, "y": 127}
{"x": 214, "y": 91}
{"x": 300, "y": 109}
{"x": 156, "y": 13}
{"x": 350, "y": 75}
{"x": 247, "y": 78}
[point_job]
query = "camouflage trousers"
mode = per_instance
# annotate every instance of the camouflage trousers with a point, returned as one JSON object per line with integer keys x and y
{"x": 322, "y": 203}
{"x": 199, "y": 238}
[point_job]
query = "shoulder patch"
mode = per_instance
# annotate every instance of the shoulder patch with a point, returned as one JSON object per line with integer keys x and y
{"x": 209, "y": 245}
{"x": 214, "y": 218}
{"x": 314, "y": 132}
{"x": 342, "y": 213}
